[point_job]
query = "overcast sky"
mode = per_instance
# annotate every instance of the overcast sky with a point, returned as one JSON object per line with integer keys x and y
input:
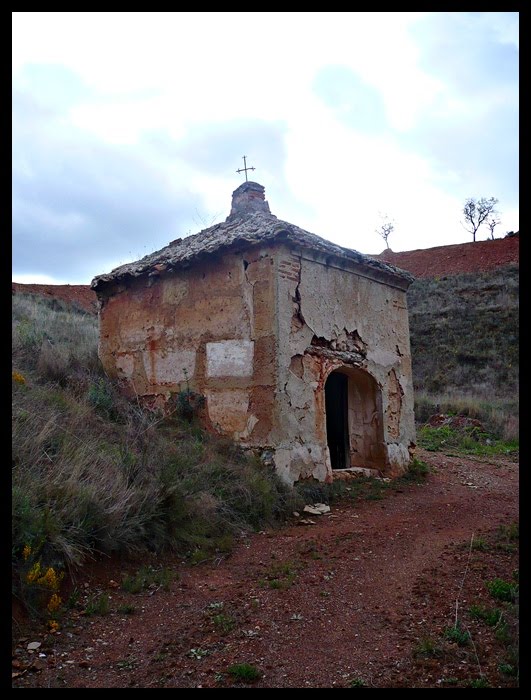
{"x": 128, "y": 128}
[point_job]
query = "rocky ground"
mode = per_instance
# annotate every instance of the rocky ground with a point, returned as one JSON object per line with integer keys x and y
{"x": 362, "y": 597}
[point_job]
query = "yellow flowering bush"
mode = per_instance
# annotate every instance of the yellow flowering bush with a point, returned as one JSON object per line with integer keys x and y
{"x": 54, "y": 603}
{"x": 49, "y": 579}
{"x": 34, "y": 573}
{"x": 39, "y": 580}
{"x": 18, "y": 377}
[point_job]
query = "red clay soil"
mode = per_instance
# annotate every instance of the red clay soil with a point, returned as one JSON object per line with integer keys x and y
{"x": 362, "y": 597}
{"x": 456, "y": 259}
{"x": 430, "y": 262}
{"x": 80, "y": 294}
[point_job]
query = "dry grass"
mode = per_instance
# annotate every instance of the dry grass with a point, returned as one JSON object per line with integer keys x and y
{"x": 465, "y": 333}
{"x": 51, "y": 337}
{"x": 92, "y": 472}
{"x": 499, "y": 417}
{"x": 465, "y": 347}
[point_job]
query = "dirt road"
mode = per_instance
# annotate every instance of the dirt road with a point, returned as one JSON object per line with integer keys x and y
{"x": 362, "y": 597}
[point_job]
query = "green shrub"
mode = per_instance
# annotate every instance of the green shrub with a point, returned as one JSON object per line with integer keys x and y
{"x": 427, "y": 648}
{"x": 223, "y": 623}
{"x": 481, "y": 682}
{"x": 503, "y": 634}
{"x": 508, "y": 670}
{"x": 357, "y": 683}
{"x": 491, "y": 616}
{"x": 100, "y": 397}
{"x": 126, "y": 609}
{"x": 479, "y": 544}
{"x": 188, "y": 404}
{"x": 503, "y": 590}
{"x": 98, "y": 605}
{"x": 417, "y": 471}
{"x": 244, "y": 672}
{"x": 281, "y": 575}
{"x": 468, "y": 440}
{"x": 509, "y": 532}
{"x": 457, "y": 634}
{"x": 147, "y": 577}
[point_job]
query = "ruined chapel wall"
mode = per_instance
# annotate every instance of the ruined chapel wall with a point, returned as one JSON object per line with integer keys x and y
{"x": 211, "y": 327}
{"x": 340, "y": 308}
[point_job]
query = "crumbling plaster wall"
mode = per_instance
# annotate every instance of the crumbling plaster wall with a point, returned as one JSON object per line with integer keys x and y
{"x": 353, "y": 321}
{"x": 210, "y": 327}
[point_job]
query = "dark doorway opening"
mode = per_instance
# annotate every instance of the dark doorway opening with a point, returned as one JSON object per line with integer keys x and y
{"x": 336, "y": 406}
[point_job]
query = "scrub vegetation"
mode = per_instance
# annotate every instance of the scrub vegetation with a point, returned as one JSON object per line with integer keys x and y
{"x": 95, "y": 473}
{"x": 465, "y": 348}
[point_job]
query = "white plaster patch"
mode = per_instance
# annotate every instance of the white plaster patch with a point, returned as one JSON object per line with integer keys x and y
{"x": 300, "y": 461}
{"x": 228, "y": 410}
{"x": 252, "y": 420}
{"x": 165, "y": 367}
{"x": 282, "y": 461}
{"x": 230, "y": 358}
{"x": 299, "y": 393}
{"x": 398, "y": 456}
{"x": 125, "y": 365}
{"x": 382, "y": 357}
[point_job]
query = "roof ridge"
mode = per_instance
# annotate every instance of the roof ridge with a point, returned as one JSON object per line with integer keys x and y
{"x": 255, "y": 227}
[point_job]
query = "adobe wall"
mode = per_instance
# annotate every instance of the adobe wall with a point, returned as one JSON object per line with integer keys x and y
{"x": 211, "y": 325}
{"x": 331, "y": 317}
{"x": 257, "y": 333}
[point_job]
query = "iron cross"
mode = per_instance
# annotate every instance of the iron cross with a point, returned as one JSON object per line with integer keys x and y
{"x": 244, "y": 169}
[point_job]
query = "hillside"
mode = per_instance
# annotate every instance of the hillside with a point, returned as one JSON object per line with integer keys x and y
{"x": 80, "y": 295}
{"x": 465, "y": 333}
{"x": 429, "y": 262}
{"x": 481, "y": 256}
{"x": 463, "y": 321}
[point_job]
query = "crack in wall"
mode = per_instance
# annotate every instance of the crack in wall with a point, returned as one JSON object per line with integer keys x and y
{"x": 296, "y": 366}
{"x": 394, "y": 407}
{"x": 249, "y": 301}
{"x": 297, "y": 320}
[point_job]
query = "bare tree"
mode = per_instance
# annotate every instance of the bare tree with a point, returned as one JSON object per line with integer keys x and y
{"x": 476, "y": 212}
{"x": 385, "y": 229}
{"x": 492, "y": 223}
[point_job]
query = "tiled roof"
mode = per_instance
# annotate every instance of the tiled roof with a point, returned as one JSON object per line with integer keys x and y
{"x": 244, "y": 230}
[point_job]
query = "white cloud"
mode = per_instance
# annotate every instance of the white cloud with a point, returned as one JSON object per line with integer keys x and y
{"x": 35, "y": 278}
{"x": 111, "y": 105}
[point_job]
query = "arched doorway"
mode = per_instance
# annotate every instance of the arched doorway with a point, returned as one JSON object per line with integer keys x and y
{"x": 354, "y": 426}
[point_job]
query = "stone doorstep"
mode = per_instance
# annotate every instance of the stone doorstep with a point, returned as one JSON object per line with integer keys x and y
{"x": 355, "y": 473}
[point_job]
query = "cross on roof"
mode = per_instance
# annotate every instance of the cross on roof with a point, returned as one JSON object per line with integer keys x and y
{"x": 244, "y": 169}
